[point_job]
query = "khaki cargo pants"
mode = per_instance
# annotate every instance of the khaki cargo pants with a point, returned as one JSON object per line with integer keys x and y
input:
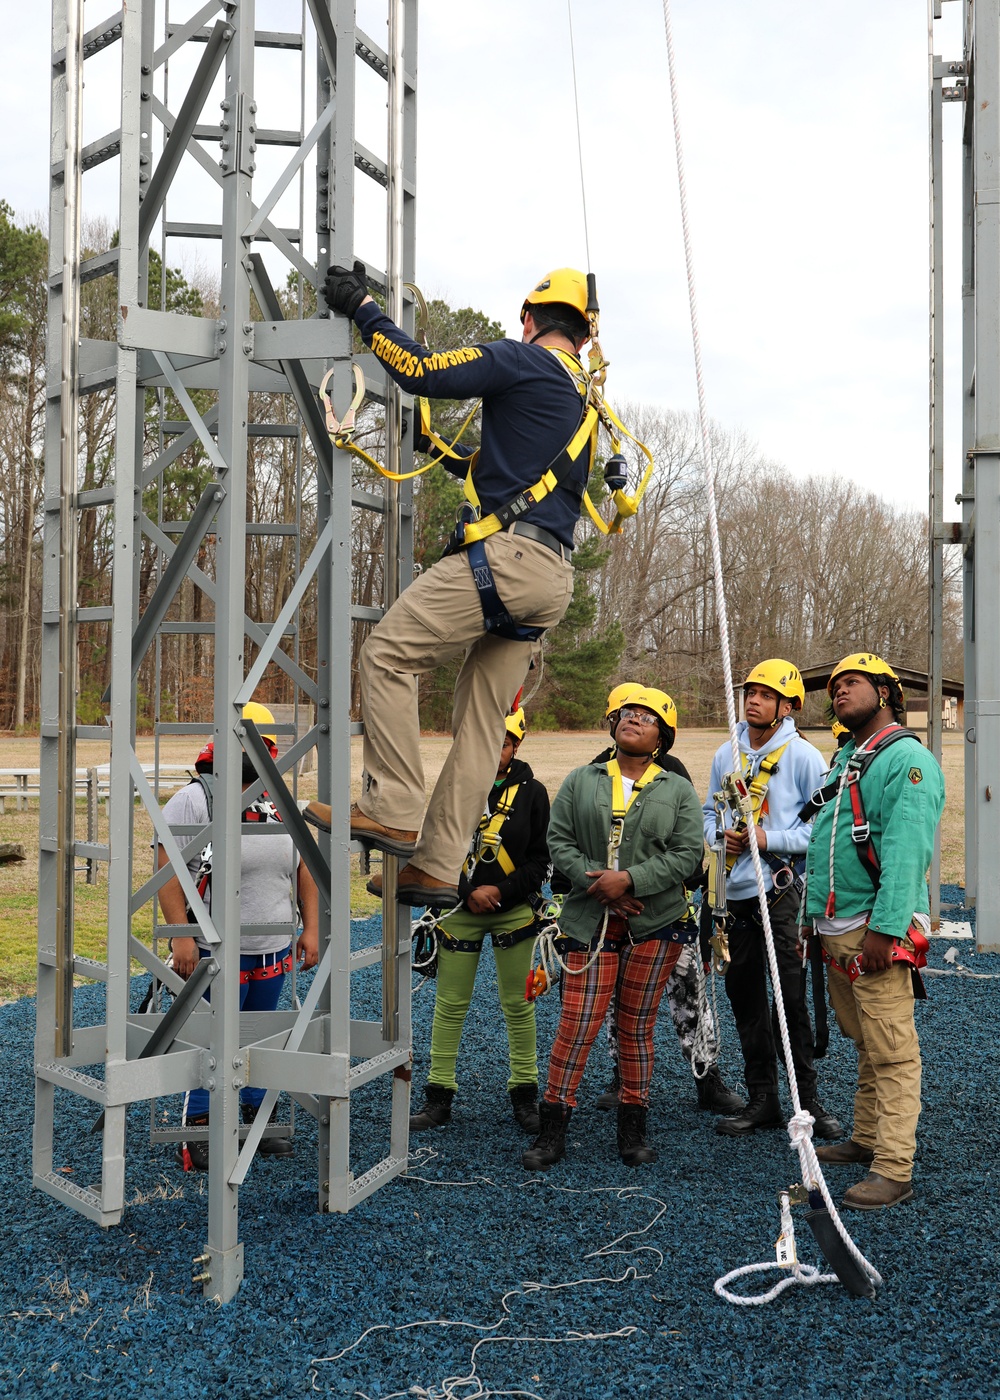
{"x": 876, "y": 1012}
{"x": 436, "y": 619}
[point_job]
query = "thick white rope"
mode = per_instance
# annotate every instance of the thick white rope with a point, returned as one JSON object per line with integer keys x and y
{"x": 800, "y": 1125}
{"x": 456, "y": 1387}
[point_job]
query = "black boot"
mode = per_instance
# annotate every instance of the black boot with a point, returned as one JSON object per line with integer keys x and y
{"x": 269, "y": 1146}
{"x": 715, "y": 1095}
{"x": 193, "y": 1156}
{"x": 524, "y": 1102}
{"x": 550, "y": 1144}
{"x": 763, "y": 1111}
{"x": 825, "y": 1126}
{"x": 435, "y": 1110}
{"x": 609, "y": 1099}
{"x": 632, "y": 1146}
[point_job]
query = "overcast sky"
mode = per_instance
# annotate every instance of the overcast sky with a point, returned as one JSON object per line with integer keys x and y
{"x": 805, "y": 131}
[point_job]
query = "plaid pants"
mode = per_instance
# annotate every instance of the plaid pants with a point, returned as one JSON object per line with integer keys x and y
{"x": 636, "y": 975}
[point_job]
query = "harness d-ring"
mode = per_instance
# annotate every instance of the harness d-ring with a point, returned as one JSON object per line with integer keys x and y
{"x": 341, "y": 432}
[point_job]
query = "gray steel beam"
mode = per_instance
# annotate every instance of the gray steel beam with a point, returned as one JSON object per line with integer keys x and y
{"x": 986, "y": 464}
{"x": 935, "y": 515}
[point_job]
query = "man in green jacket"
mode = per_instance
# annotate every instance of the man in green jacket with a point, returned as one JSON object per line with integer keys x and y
{"x": 866, "y": 893}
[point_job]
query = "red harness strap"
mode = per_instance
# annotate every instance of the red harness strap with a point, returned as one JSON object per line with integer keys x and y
{"x": 262, "y": 974}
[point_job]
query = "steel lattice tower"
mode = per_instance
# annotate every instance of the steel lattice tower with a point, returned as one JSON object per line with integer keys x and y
{"x": 317, "y": 1054}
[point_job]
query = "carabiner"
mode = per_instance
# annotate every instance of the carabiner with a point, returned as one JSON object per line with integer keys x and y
{"x": 423, "y": 319}
{"x": 342, "y": 432}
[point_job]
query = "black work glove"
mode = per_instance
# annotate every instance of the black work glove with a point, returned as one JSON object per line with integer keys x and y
{"x": 345, "y": 290}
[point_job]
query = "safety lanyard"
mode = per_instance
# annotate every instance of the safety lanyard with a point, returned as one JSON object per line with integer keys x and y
{"x": 619, "y": 806}
{"x": 486, "y": 844}
{"x": 850, "y": 779}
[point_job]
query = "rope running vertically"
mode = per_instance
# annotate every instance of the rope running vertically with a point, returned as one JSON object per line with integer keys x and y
{"x": 800, "y": 1125}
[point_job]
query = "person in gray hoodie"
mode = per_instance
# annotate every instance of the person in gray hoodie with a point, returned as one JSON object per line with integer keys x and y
{"x": 782, "y": 770}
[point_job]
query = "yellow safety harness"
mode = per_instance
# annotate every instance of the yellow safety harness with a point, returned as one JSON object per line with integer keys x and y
{"x": 542, "y": 975}
{"x": 487, "y": 844}
{"x": 757, "y": 788}
{"x": 596, "y": 413}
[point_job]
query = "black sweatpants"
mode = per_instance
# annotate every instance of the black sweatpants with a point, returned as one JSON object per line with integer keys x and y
{"x": 749, "y": 995}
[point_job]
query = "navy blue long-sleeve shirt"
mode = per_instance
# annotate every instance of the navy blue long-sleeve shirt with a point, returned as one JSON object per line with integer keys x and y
{"x": 531, "y": 409}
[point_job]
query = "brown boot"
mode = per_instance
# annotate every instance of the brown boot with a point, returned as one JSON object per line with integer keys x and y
{"x": 384, "y": 838}
{"x": 877, "y": 1192}
{"x": 417, "y": 887}
{"x": 842, "y": 1154}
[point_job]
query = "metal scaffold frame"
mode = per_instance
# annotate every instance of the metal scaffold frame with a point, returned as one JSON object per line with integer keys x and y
{"x": 973, "y": 80}
{"x": 315, "y": 1053}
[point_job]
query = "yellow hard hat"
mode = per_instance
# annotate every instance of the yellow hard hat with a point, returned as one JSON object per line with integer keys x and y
{"x": 566, "y": 285}
{"x": 864, "y": 661}
{"x": 621, "y": 695}
{"x": 260, "y": 715}
{"x": 781, "y": 676}
{"x": 516, "y": 725}
{"x": 659, "y": 702}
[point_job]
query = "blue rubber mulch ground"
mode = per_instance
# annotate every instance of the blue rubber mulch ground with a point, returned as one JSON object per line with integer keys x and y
{"x": 91, "y": 1313}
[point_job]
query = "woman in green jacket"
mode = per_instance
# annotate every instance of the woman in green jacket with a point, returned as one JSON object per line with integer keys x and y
{"x": 625, "y": 833}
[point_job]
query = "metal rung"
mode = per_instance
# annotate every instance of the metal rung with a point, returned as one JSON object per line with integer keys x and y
{"x": 378, "y": 1064}
{"x": 364, "y": 1185}
{"x": 175, "y": 427}
{"x": 109, "y": 31}
{"x": 83, "y": 1084}
{"x": 215, "y": 231}
{"x": 264, "y": 136}
{"x": 263, "y": 38}
{"x": 82, "y": 967}
{"x": 96, "y": 153}
{"x": 100, "y": 265}
{"x": 88, "y": 1203}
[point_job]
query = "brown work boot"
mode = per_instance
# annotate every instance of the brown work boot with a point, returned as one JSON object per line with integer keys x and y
{"x": 384, "y": 838}
{"x": 374, "y": 884}
{"x": 876, "y": 1192}
{"x": 842, "y": 1154}
{"x": 417, "y": 887}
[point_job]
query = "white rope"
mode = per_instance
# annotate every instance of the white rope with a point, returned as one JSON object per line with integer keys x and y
{"x": 579, "y": 138}
{"x": 800, "y": 1126}
{"x": 457, "y": 1387}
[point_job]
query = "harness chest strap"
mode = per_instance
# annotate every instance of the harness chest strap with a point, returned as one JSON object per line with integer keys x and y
{"x": 757, "y": 788}
{"x": 487, "y": 844}
{"x": 619, "y": 806}
{"x": 850, "y": 780}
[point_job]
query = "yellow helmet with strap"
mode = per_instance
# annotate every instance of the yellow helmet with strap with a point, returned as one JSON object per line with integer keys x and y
{"x": 516, "y": 725}
{"x": 566, "y": 286}
{"x": 864, "y": 661}
{"x": 780, "y": 676}
{"x": 621, "y": 695}
{"x": 260, "y": 715}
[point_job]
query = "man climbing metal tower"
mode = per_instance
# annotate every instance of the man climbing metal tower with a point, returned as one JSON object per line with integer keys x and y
{"x": 505, "y": 578}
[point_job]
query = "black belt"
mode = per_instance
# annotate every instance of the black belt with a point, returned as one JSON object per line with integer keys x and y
{"x": 540, "y": 536}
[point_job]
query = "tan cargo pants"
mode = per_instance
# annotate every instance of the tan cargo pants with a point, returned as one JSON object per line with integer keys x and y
{"x": 435, "y": 620}
{"x": 876, "y": 1012}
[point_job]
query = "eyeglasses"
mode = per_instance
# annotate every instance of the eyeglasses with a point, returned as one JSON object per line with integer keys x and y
{"x": 638, "y": 716}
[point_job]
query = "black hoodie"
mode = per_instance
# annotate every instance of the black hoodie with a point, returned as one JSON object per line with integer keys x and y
{"x": 522, "y": 837}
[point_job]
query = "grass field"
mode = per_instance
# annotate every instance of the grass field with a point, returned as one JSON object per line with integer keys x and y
{"x": 550, "y": 755}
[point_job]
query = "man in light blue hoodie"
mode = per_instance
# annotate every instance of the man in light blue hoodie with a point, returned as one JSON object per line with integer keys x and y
{"x": 782, "y": 770}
